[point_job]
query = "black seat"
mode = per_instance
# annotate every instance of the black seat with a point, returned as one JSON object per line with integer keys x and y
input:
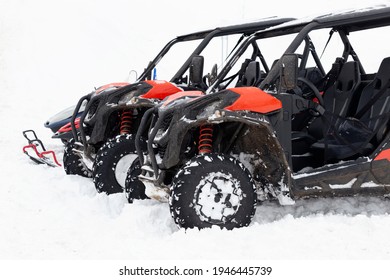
{"x": 338, "y": 98}
{"x": 374, "y": 104}
{"x": 250, "y": 74}
{"x": 358, "y": 135}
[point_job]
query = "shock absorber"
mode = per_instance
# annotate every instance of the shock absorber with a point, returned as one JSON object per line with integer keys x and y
{"x": 126, "y": 121}
{"x": 205, "y": 139}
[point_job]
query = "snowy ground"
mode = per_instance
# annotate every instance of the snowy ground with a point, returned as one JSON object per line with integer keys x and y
{"x": 47, "y": 215}
{"x": 44, "y": 214}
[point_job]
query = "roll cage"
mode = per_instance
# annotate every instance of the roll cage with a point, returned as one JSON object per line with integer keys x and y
{"x": 206, "y": 36}
{"x": 343, "y": 23}
{"x": 112, "y": 96}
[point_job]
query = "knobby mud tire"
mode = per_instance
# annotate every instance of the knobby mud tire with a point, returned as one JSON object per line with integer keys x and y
{"x": 73, "y": 162}
{"x": 135, "y": 189}
{"x": 213, "y": 189}
{"x": 118, "y": 152}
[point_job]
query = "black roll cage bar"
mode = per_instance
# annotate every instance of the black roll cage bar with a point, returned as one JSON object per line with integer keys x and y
{"x": 245, "y": 29}
{"x": 344, "y": 23}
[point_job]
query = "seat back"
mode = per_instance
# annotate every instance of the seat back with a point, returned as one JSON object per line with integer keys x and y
{"x": 252, "y": 74}
{"x": 376, "y": 115}
{"x": 338, "y": 97}
{"x": 249, "y": 74}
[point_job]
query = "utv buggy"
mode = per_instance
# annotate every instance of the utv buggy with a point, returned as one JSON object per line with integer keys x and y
{"x": 301, "y": 133}
{"x": 60, "y": 125}
{"x": 111, "y": 118}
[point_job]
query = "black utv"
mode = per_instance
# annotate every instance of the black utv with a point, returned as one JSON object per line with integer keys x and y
{"x": 317, "y": 125}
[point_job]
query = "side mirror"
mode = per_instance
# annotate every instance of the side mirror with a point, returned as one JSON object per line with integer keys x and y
{"x": 289, "y": 71}
{"x": 196, "y": 70}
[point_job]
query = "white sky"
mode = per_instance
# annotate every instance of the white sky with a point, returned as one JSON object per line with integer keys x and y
{"x": 72, "y": 46}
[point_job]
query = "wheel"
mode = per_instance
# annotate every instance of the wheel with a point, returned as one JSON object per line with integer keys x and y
{"x": 112, "y": 162}
{"x": 211, "y": 190}
{"x": 73, "y": 162}
{"x": 314, "y": 90}
{"x": 135, "y": 189}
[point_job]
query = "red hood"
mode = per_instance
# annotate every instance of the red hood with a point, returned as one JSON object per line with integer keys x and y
{"x": 160, "y": 89}
{"x": 117, "y": 85}
{"x": 255, "y": 100}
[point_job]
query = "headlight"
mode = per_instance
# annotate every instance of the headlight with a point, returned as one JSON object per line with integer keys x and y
{"x": 209, "y": 109}
{"x": 128, "y": 98}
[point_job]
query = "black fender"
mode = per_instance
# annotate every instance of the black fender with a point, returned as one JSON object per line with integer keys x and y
{"x": 265, "y": 157}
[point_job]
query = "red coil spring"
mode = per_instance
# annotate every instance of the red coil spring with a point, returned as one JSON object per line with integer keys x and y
{"x": 205, "y": 139}
{"x": 126, "y": 122}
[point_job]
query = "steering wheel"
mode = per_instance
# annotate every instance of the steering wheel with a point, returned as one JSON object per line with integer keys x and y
{"x": 314, "y": 89}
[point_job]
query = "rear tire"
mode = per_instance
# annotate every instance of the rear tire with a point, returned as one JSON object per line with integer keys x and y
{"x": 213, "y": 189}
{"x": 112, "y": 162}
{"x": 73, "y": 162}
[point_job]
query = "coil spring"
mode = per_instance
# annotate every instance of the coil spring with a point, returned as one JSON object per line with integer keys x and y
{"x": 205, "y": 139}
{"x": 126, "y": 122}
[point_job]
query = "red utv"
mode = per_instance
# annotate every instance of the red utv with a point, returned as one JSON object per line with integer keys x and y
{"x": 299, "y": 133}
{"x": 105, "y": 138}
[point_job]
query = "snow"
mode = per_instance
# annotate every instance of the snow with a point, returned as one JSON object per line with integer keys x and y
{"x": 343, "y": 186}
{"x": 52, "y": 53}
{"x": 370, "y": 184}
{"x": 302, "y": 174}
{"x": 360, "y": 7}
{"x": 217, "y": 184}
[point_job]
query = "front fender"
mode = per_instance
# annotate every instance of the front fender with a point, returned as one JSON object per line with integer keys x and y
{"x": 144, "y": 94}
{"x": 256, "y": 146}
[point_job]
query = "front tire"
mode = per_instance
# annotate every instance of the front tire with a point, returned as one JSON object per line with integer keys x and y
{"x": 134, "y": 187}
{"x": 213, "y": 189}
{"x": 112, "y": 162}
{"x": 73, "y": 162}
